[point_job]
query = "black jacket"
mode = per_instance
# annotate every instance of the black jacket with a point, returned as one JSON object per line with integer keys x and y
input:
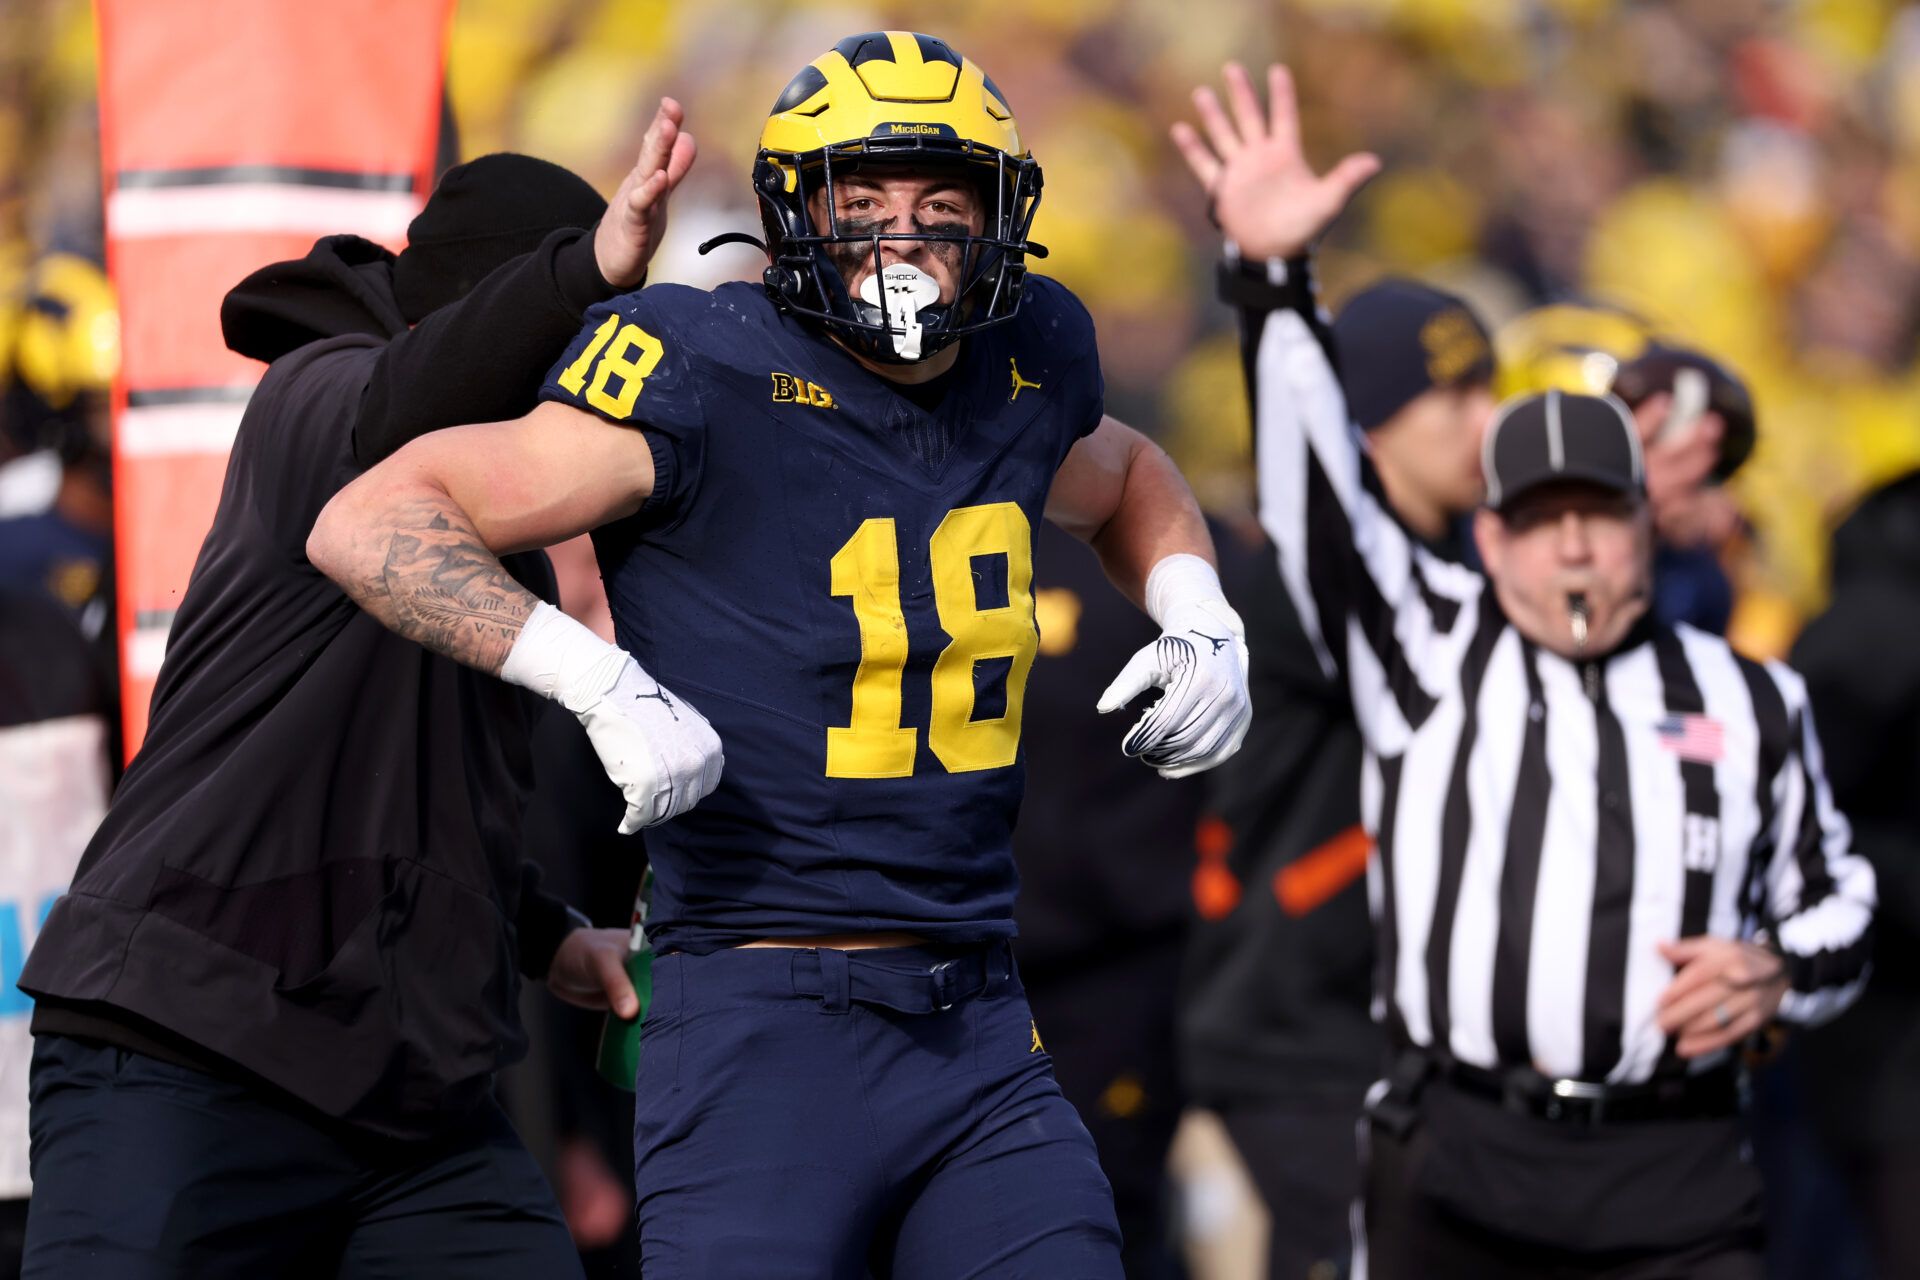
{"x": 311, "y": 875}
{"x": 1275, "y": 997}
{"x": 1862, "y": 669}
{"x": 1103, "y": 845}
{"x": 1279, "y": 972}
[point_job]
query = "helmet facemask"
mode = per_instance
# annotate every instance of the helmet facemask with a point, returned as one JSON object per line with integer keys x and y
{"x": 894, "y": 322}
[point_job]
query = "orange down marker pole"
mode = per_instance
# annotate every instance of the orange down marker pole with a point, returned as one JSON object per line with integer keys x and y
{"x": 233, "y": 133}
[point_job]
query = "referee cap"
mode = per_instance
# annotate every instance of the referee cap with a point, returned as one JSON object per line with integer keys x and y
{"x": 1558, "y": 435}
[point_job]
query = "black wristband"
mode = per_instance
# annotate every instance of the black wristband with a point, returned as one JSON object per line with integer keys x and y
{"x": 1266, "y": 285}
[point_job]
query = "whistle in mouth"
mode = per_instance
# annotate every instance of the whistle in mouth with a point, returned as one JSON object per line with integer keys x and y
{"x": 1577, "y": 617}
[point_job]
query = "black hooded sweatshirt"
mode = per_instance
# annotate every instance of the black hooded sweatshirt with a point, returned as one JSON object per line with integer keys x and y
{"x": 1862, "y": 670}
{"x": 311, "y": 877}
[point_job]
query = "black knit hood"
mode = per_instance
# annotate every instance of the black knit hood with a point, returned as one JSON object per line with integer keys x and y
{"x": 344, "y": 285}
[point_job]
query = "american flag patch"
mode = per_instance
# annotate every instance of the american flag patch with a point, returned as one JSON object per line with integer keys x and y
{"x": 1697, "y": 738}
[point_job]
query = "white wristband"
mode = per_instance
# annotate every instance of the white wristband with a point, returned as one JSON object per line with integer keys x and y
{"x": 559, "y": 658}
{"x": 1179, "y": 580}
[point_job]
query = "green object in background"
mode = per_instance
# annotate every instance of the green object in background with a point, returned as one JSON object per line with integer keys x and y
{"x": 619, "y": 1058}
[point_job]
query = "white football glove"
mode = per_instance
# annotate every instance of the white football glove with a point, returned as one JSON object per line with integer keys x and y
{"x": 1199, "y": 661}
{"x": 660, "y": 752}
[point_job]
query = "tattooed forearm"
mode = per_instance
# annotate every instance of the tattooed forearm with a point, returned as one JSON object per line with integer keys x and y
{"x": 449, "y": 592}
{"x": 419, "y": 566}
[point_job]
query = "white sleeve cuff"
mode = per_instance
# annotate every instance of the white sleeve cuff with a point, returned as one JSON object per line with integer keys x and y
{"x": 562, "y": 659}
{"x": 1176, "y": 580}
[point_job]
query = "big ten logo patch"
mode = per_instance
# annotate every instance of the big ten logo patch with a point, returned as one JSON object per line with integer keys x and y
{"x": 787, "y": 389}
{"x": 1700, "y": 843}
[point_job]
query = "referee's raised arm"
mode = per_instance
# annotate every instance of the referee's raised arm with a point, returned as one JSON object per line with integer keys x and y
{"x": 1344, "y": 556}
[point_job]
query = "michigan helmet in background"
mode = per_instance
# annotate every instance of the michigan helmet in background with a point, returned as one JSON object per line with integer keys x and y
{"x": 1566, "y": 346}
{"x": 67, "y": 340}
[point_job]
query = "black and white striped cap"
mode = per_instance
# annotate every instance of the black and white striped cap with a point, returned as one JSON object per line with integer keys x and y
{"x": 1557, "y": 435}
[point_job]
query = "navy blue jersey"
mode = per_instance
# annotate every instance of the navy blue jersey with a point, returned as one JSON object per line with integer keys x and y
{"x": 841, "y": 581}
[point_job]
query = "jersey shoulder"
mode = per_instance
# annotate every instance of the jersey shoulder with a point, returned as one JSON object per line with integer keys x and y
{"x": 1051, "y": 315}
{"x": 648, "y": 356}
{"x": 679, "y": 314}
{"x": 1054, "y": 356}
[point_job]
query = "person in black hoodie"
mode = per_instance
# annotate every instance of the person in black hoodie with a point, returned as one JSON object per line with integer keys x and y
{"x": 1862, "y": 1070}
{"x": 272, "y": 1004}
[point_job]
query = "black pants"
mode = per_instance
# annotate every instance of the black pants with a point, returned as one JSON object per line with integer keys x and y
{"x": 1459, "y": 1189}
{"x": 145, "y": 1169}
{"x": 13, "y": 1237}
{"x": 1305, "y": 1164}
{"x": 1886, "y": 1186}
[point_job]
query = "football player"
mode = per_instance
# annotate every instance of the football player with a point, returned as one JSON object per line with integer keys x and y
{"x": 814, "y": 505}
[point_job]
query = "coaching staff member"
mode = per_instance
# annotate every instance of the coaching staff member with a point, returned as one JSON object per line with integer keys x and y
{"x": 1606, "y": 853}
{"x": 271, "y": 1006}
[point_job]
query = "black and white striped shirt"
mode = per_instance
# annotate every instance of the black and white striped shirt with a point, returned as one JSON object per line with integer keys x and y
{"x": 1540, "y": 824}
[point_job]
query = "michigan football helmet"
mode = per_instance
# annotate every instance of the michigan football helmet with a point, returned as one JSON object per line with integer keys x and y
{"x": 1567, "y": 346}
{"x": 67, "y": 343}
{"x": 64, "y": 352}
{"x": 908, "y": 101}
{"x": 1597, "y": 349}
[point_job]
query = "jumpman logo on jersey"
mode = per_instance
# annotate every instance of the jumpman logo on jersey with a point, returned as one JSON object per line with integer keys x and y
{"x": 1018, "y": 381}
{"x": 1217, "y": 642}
{"x": 666, "y": 699}
{"x": 1037, "y": 1046}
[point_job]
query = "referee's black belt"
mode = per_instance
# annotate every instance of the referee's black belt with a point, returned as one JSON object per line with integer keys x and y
{"x": 1715, "y": 1093}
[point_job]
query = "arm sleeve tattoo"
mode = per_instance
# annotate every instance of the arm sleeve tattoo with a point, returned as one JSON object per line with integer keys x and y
{"x": 437, "y": 584}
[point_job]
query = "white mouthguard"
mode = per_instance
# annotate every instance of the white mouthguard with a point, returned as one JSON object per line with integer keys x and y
{"x": 907, "y": 289}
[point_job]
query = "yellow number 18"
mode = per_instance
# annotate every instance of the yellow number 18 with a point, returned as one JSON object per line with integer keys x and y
{"x": 867, "y": 569}
{"x": 632, "y": 357}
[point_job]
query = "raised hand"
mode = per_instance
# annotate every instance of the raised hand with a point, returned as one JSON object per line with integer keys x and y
{"x": 1266, "y": 197}
{"x": 636, "y": 219}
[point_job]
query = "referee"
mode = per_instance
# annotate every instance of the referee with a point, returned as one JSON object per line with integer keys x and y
{"x": 1606, "y": 851}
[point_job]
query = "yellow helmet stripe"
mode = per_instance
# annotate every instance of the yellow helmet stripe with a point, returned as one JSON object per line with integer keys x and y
{"x": 907, "y": 77}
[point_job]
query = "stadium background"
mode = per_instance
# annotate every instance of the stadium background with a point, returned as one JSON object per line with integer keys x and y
{"x": 1745, "y": 174}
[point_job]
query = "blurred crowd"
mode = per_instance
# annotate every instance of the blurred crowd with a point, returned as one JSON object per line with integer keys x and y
{"x": 1740, "y": 175}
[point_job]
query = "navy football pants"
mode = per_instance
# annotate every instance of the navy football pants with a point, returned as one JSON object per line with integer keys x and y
{"x": 145, "y": 1169}
{"x": 814, "y": 1114}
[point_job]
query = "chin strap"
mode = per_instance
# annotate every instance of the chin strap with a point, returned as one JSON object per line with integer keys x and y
{"x": 898, "y": 293}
